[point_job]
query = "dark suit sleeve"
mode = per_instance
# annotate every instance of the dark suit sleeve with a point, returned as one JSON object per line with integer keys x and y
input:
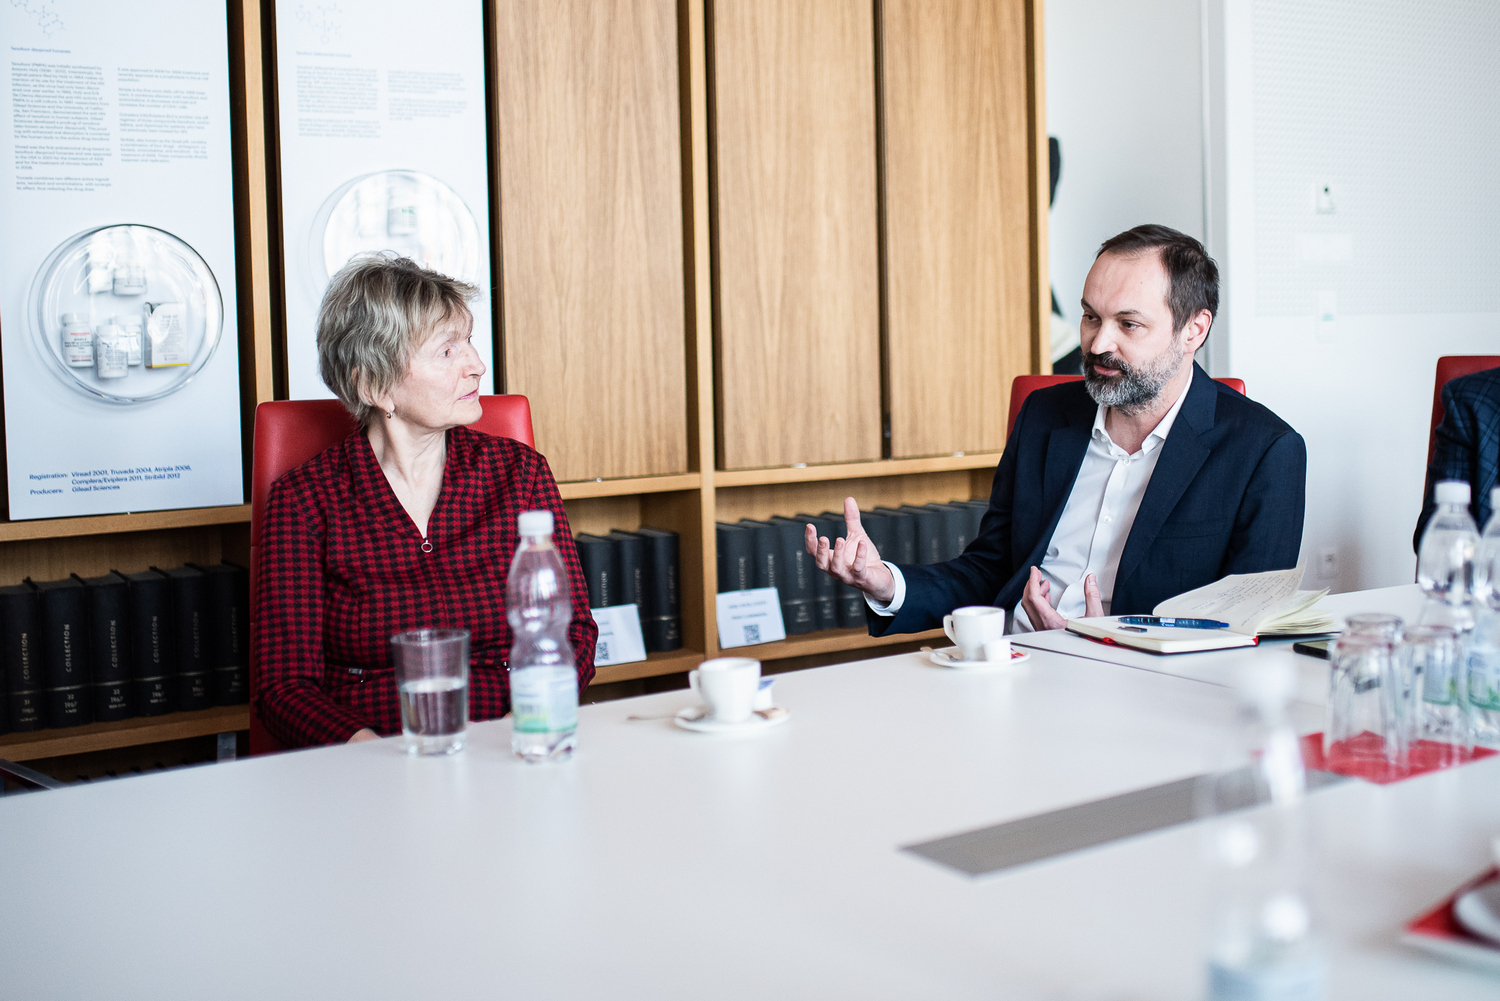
{"x": 1268, "y": 526}
{"x": 975, "y": 578}
{"x": 1454, "y": 457}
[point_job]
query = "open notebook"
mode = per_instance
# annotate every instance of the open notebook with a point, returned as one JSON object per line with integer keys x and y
{"x": 1254, "y": 605}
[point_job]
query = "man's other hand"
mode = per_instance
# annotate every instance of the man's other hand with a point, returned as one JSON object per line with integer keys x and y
{"x": 852, "y": 559}
{"x": 1037, "y": 601}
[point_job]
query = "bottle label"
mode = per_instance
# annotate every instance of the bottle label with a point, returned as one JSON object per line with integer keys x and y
{"x": 1484, "y": 679}
{"x": 1299, "y": 981}
{"x": 544, "y": 699}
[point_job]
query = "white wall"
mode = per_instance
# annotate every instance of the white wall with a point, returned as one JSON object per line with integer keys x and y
{"x": 1335, "y": 319}
{"x": 1396, "y": 104}
{"x": 1124, "y": 98}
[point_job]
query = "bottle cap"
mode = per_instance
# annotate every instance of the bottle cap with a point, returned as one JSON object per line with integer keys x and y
{"x": 535, "y": 523}
{"x": 1452, "y": 492}
{"x": 71, "y": 318}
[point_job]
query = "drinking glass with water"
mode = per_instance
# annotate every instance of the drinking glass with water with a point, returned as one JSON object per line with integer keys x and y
{"x": 432, "y": 676}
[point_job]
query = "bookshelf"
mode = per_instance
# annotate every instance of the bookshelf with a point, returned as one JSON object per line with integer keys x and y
{"x": 687, "y": 336}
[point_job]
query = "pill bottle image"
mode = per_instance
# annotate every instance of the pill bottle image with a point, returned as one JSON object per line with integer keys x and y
{"x": 132, "y": 327}
{"x": 166, "y": 342}
{"x": 401, "y": 218}
{"x": 77, "y": 340}
{"x": 130, "y": 278}
{"x": 111, "y": 351}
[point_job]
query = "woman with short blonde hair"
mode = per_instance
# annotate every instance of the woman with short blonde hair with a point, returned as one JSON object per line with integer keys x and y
{"x": 408, "y": 523}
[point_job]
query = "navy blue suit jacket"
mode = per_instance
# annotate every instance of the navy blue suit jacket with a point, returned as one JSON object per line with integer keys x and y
{"x": 1226, "y": 497}
{"x": 1468, "y": 444}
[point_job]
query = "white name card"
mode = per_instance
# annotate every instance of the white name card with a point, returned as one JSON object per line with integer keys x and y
{"x": 620, "y": 640}
{"x": 747, "y": 617}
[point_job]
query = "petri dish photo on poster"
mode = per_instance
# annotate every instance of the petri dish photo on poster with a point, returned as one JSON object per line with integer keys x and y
{"x": 405, "y": 211}
{"x": 125, "y": 314}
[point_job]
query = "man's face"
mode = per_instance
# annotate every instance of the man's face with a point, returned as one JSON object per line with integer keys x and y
{"x": 1130, "y": 349}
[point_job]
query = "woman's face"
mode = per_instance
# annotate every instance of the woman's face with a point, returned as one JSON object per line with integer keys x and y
{"x": 441, "y": 386}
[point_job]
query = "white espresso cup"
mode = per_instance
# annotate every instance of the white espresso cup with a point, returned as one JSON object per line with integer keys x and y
{"x": 978, "y": 631}
{"x": 727, "y": 686}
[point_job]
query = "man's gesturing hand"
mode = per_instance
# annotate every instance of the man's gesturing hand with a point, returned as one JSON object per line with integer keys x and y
{"x": 1037, "y": 601}
{"x": 852, "y": 559}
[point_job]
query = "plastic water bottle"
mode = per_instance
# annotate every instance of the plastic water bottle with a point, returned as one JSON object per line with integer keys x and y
{"x": 1445, "y": 559}
{"x": 1484, "y": 645}
{"x": 1262, "y": 945}
{"x": 543, "y": 674}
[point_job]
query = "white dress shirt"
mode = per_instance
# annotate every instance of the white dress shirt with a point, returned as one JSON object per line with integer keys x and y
{"x": 1095, "y": 522}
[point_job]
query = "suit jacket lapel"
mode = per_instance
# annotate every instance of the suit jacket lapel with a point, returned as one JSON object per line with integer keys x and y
{"x": 1066, "y": 447}
{"x": 1182, "y": 455}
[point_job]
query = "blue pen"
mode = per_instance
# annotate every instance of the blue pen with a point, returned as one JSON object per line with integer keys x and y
{"x": 1151, "y": 620}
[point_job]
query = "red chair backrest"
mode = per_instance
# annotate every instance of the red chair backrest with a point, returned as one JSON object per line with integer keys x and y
{"x": 287, "y": 434}
{"x": 1450, "y": 367}
{"x": 1023, "y": 386}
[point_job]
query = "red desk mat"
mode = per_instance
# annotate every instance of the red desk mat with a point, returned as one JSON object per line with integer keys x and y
{"x": 1438, "y": 931}
{"x": 1367, "y": 760}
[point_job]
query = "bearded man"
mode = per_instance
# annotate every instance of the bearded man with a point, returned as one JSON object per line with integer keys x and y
{"x": 1145, "y": 480}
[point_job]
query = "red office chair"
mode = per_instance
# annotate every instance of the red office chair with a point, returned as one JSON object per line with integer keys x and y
{"x": 1023, "y": 386}
{"x": 287, "y": 434}
{"x": 1450, "y": 367}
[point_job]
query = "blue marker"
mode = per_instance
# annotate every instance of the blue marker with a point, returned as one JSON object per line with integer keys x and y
{"x": 1151, "y": 620}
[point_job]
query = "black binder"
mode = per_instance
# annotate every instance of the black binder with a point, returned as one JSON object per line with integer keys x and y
{"x": 929, "y": 532}
{"x": 601, "y": 568}
{"x": 631, "y": 550}
{"x": 65, "y": 652}
{"x": 824, "y": 586}
{"x": 227, "y": 603}
{"x": 190, "y": 630}
{"x": 902, "y": 546}
{"x": 661, "y": 618}
{"x": 151, "y": 646}
{"x": 956, "y": 537}
{"x": 850, "y": 600}
{"x": 20, "y": 636}
{"x": 795, "y": 585}
{"x": 736, "y": 558}
{"x": 109, "y": 646}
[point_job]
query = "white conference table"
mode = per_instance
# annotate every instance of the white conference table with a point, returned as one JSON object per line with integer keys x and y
{"x": 666, "y": 864}
{"x": 1219, "y": 667}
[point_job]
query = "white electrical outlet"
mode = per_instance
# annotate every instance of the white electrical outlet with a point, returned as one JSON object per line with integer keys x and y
{"x": 1328, "y": 564}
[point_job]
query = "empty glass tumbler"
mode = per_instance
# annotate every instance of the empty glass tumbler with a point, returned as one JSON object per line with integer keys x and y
{"x": 1368, "y": 714}
{"x": 432, "y": 676}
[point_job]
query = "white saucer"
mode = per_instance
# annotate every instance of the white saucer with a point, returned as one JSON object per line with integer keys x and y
{"x": 948, "y": 657}
{"x": 1479, "y": 911}
{"x": 689, "y": 719}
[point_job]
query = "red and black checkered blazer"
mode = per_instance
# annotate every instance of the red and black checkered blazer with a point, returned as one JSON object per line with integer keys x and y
{"x": 342, "y": 570}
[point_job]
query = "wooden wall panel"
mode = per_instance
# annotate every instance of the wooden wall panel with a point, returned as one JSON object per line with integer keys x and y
{"x": 591, "y": 231}
{"x": 958, "y": 204}
{"x": 798, "y": 338}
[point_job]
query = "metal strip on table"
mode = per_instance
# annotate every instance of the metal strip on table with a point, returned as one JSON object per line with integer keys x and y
{"x": 1047, "y": 835}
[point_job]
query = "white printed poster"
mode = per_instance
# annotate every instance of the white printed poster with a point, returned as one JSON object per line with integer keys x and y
{"x": 381, "y": 108}
{"x": 117, "y": 267}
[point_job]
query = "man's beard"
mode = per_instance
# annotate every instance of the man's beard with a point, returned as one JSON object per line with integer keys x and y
{"x": 1133, "y": 389}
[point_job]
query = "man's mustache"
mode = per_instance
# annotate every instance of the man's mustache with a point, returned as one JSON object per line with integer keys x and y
{"x": 1107, "y": 360}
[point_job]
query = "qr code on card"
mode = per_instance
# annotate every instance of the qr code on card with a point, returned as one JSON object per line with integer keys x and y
{"x": 601, "y": 651}
{"x": 752, "y": 633}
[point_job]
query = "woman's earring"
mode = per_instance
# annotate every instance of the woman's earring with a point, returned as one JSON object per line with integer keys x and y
{"x": 390, "y": 413}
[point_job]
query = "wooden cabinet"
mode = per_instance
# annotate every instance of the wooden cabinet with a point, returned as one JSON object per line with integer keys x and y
{"x": 792, "y": 92}
{"x": 588, "y": 154}
{"x": 958, "y": 178}
{"x": 700, "y": 239}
